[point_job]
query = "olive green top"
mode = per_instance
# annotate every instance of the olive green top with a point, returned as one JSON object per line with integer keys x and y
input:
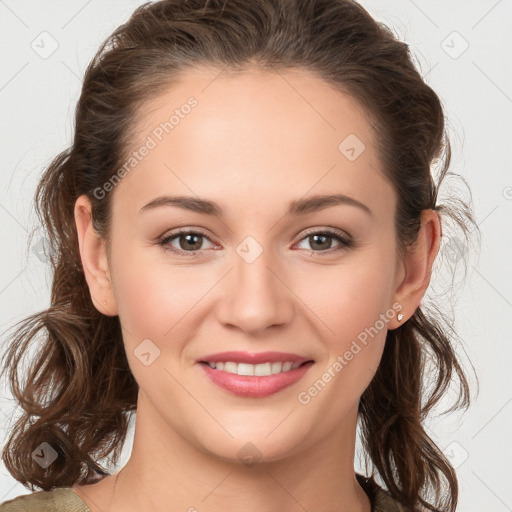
{"x": 64, "y": 499}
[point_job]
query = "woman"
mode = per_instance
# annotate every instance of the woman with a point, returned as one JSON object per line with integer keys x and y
{"x": 216, "y": 144}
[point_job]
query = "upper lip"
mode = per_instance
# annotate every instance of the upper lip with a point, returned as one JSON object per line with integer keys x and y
{"x": 253, "y": 358}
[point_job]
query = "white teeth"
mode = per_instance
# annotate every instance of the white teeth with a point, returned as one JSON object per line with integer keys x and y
{"x": 260, "y": 370}
{"x": 243, "y": 368}
{"x": 276, "y": 367}
{"x": 287, "y": 366}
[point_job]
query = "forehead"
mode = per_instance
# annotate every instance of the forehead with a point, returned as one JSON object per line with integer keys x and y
{"x": 266, "y": 135}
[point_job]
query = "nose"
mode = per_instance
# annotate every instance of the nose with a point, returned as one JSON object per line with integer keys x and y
{"x": 256, "y": 295}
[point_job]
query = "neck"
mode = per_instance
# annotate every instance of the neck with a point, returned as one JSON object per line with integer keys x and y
{"x": 165, "y": 470}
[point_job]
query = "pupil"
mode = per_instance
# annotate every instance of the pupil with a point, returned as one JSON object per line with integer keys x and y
{"x": 320, "y": 236}
{"x": 187, "y": 237}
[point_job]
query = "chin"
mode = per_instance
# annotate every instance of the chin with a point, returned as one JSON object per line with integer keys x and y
{"x": 249, "y": 446}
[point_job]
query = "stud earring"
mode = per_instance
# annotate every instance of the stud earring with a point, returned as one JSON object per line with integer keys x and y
{"x": 400, "y": 317}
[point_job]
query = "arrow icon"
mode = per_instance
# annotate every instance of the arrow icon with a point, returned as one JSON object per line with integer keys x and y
{"x": 146, "y": 352}
{"x": 44, "y": 454}
{"x": 249, "y": 249}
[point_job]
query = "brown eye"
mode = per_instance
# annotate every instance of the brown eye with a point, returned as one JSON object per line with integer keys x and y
{"x": 189, "y": 242}
{"x": 321, "y": 241}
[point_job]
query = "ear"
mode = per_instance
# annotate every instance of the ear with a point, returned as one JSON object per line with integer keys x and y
{"x": 417, "y": 266}
{"x": 94, "y": 259}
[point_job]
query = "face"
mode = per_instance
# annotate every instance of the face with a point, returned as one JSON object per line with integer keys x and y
{"x": 259, "y": 275}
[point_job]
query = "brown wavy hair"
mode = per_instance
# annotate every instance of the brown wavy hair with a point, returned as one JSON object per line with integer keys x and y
{"x": 79, "y": 391}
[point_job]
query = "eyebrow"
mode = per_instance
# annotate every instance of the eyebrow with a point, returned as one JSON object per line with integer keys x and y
{"x": 296, "y": 207}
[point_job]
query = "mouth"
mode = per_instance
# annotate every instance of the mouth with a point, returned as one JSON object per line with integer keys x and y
{"x": 254, "y": 381}
{"x": 256, "y": 370}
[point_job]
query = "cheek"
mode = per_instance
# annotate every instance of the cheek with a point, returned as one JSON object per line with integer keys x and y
{"x": 350, "y": 308}
{"x": 152, "y": 297}
{"x": 153, "y": 301}
{"x": 349, "y": 298}
{"x": 355, "y": 308}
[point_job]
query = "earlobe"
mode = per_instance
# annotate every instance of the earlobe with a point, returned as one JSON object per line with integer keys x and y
{"x": 417, "y": 266}
{"x": 94, "y": 259}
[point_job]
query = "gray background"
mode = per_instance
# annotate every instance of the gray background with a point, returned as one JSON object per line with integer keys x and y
{"x": 463, "y": 50}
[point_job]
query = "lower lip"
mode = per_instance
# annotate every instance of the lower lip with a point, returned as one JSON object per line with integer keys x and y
{"x": 252, "y": 386}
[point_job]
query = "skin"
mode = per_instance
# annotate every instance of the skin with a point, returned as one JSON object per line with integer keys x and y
{"x": 271, "y": 138}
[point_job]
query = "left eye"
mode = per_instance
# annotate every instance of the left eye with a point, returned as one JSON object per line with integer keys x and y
{"x": 319, "y": 237}
{"x": 190, "y": 242}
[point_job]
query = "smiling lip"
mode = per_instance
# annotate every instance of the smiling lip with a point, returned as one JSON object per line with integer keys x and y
{"x": 253, "y": 358}
{"x": 254, "y": 386}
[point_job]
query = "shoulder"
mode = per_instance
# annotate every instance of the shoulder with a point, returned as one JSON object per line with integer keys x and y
{"x": 61, "y": 499}
{"x": 381, "y": 500}
{"x": 384, "y": 502}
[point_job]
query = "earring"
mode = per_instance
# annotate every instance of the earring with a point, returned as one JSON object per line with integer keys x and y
{"x": 400, "y": 317}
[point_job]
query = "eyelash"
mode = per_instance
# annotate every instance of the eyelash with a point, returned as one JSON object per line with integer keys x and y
{"x": 345, "y": 242}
